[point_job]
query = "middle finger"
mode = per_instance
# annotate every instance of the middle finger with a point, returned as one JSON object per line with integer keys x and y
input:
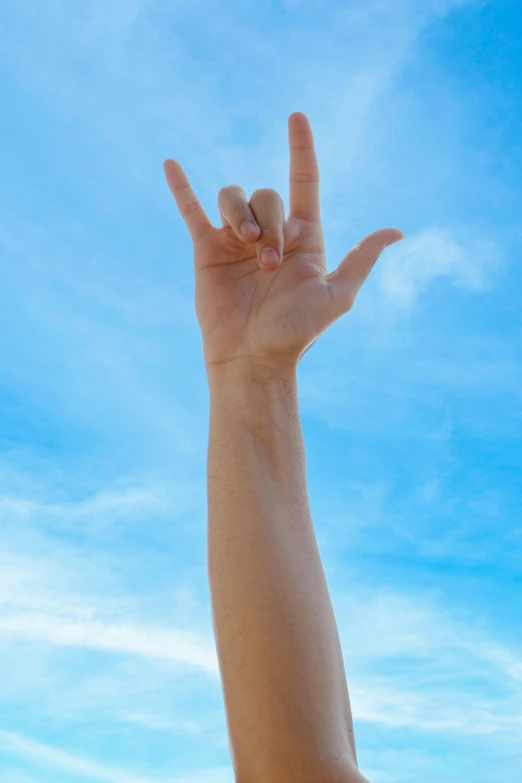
{"x": 236, "y": 213}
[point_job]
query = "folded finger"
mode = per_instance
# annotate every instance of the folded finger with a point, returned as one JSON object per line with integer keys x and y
{"x": 235, "y": 212}
{"x": 269, "y": 210}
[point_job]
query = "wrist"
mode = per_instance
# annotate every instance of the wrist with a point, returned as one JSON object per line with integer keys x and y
{"x": 257, "y": 392}
{"x": 246, "y": 370}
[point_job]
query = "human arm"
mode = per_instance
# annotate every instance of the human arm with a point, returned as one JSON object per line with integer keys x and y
{"x": 285, "y": 691}
{"x": 280, "y": 658}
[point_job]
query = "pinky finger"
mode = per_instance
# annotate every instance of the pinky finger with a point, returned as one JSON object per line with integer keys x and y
{"x": 191, "y": 211}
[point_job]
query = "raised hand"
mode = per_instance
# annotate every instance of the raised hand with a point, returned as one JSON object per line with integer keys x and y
{"x": 275, "y": 310}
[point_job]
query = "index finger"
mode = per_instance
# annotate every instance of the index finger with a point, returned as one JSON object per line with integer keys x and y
{"x": 304, "y": 169}
{"x": 191, "y": 211}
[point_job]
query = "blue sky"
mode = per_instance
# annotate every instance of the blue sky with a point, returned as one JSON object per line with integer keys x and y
{"x": 410, "y": 403}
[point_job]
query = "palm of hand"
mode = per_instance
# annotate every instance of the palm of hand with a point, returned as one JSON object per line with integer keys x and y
{"x": 276, "y": 313}
{"x": 245, "y": 310}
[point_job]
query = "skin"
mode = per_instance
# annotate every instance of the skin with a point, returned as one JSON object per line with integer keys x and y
{"x": 286, "y": 698}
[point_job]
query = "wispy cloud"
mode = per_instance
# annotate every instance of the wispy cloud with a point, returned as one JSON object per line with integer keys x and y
{"x": 441, "y": 710}
{"x": 160, "y": 723}
{"x": 109, "y": 508}
{"x": 182, "y": 647}
{"x": 60, "y": 759}
{"x": 409, "y": 268}
{"x": 442, "y": 667}
{"x": 83, "y": 767}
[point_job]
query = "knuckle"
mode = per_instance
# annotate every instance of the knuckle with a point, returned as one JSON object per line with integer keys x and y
{"x": 266, "y": 194}
{"x": 269, "y": 210}
{"x": 223, "y": 192}
{"x": 229, "y": 189}
{"x": 233, "y": 204}
{"x": 231, "y": 192}
{"x": 191, "y": 207}
{"x": 304, "y": 176}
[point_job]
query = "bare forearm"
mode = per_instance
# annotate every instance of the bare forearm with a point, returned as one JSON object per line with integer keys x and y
{"x": 280, "y": 658}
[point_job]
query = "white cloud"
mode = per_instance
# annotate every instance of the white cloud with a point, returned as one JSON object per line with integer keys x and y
{"x": 410, "y": 267}
{"x": 17, "y": 743}
{"x": 124, "y": 638}
{"x": 382, "y": 624}
{"x": 77, "y": 765}
{"x": 116, "y": 506}
{"x": 440, "y": 709}
{"x": 445, "y": 676}
{"x": 160, "y": 723}
{"x": 51, "y": 592}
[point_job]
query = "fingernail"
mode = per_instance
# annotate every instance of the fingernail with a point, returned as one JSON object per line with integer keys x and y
{"x": 248, "y": 228}
{"x": 269, "y": 256}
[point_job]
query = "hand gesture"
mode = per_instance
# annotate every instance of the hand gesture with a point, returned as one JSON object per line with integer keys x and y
{"x": 262, "y": 288}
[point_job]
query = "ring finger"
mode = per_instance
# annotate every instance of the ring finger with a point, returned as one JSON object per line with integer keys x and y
{"x": 269, "y": 210}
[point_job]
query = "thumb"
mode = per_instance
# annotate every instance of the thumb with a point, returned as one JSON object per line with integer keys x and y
{"x": 346, "y": 281}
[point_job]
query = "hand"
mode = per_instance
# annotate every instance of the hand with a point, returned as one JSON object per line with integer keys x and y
{"x": 273, "y": 312}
